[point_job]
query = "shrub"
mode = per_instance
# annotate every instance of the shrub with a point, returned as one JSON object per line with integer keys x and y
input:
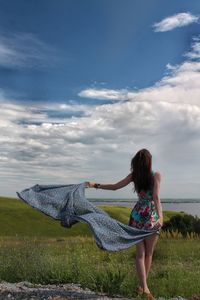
{"x": 185, "y": 224}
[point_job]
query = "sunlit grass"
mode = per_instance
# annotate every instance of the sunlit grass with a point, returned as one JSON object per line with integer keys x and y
{"x": 175, "y": 270}
{"x": 19, "y": 219}
{"x": 35, "y": 248}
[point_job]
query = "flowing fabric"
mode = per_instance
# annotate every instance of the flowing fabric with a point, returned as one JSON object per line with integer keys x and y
{"x": 68, "y": 204}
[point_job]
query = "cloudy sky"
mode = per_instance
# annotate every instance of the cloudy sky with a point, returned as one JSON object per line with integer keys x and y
{"x": 85, "y": 84}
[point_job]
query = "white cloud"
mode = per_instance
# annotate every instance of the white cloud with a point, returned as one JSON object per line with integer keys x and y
{"x": 36, "y": 145}
{"x": 181, "y": 85}
{"x": 195, "y": 52}
{"x": 170, "y": 67}
{"x": 177, "y": 20}
{"x": 25, "y": 50}
{"x": 102, "y": 94}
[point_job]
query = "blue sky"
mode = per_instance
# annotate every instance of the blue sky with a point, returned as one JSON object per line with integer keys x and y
{"x": 109, "y": 43}
{"x": 85, "y": 84}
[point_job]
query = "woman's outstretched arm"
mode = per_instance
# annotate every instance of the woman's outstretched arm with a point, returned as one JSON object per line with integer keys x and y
{"x": 120, "y": 184}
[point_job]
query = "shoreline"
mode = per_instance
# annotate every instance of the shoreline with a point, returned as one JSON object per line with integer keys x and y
{"x": 188, "y": 208}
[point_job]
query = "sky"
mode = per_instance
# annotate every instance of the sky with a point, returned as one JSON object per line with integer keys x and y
{"x": 86, "y": 84}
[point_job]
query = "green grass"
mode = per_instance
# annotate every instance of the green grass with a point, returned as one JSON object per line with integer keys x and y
{"x": 35, "y": 248}
{"x": 19, "y": 219}
{"x": 175, "y": 270}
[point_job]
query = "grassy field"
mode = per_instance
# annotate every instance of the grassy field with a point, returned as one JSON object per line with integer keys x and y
{"x": 175, "y": 270}
{"x": 35, "y": 248}
{"x": 19, "y": 219}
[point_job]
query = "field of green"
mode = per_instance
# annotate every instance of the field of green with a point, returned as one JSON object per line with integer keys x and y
{"x": 35, "y": 248}
{"x": 19, "y": 219}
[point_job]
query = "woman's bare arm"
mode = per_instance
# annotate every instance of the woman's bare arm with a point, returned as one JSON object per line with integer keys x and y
{"x": 120, "y": 184}
{"x": 156, "y": 197}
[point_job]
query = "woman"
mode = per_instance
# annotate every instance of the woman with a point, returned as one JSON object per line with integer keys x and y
{"x": 146, "y": 214}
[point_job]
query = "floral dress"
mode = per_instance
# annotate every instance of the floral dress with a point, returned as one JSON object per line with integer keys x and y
{"x": 144, "y": 214}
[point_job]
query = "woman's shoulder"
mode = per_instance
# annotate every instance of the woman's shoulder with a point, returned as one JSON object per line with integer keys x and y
{"x": 157, "y": 174}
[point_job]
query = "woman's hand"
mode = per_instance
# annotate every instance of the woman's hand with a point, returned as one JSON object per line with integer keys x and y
{"x": 90, "y": 184}
{"x": 159, "y": 223}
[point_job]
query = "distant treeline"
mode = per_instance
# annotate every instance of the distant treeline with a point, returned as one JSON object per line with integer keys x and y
{"x": 183, "y": 223}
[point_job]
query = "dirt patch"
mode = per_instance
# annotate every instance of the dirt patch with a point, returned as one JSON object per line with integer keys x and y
{"x": 29, "y": 291}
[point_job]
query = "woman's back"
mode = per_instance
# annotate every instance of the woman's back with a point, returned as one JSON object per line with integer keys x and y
{"x": 146, "y": 195}
{"x": 144, "y": 214}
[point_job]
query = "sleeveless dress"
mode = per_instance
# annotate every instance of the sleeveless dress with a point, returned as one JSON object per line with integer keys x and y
{"x": 144, "y": 214}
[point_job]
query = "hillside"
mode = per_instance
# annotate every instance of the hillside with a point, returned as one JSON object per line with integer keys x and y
{"x": 19, "y": 219}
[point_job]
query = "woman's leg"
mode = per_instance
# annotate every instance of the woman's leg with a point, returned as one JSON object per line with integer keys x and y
{"x": 149, "y": 243}
{"x": 140, "y": 265}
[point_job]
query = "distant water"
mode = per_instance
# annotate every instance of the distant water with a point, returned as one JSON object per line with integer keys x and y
{"x": 190, "y": 206}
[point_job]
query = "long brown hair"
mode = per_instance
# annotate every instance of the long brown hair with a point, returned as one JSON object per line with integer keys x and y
{"x": 141, "y": 168}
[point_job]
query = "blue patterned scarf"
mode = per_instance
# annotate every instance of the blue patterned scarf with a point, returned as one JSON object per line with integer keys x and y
{"x": 68, "y": 204}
